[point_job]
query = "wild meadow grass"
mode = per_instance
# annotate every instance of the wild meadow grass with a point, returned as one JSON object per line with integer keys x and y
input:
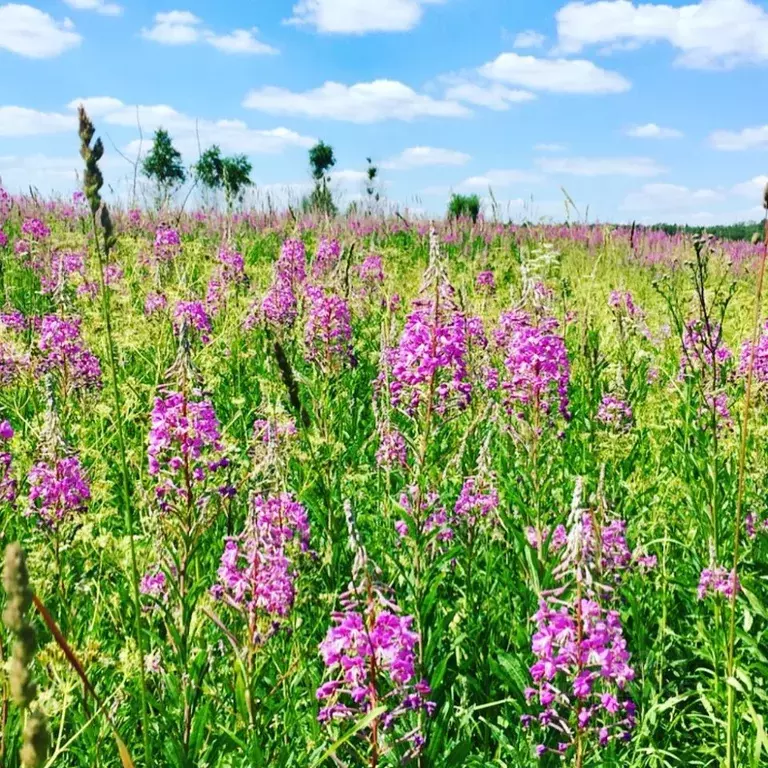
{"x": 311, "y": 491}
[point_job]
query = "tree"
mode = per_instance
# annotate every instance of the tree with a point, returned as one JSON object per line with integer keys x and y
{"x": 232, "y": 174}
{"x": 321, "y": 160}
{"x": 372, "y": 173}
{"x": 464, "y": 206}
{"x": 163, "y": 166}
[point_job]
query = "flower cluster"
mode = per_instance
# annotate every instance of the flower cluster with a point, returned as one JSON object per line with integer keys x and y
{"x": 370, "y": 653}
{"x": 478, "y": 500}
{"x": 194, "y": 315}
{"x": 485, "y": 282}
{"x": 393, "y": 450}
{"x": 7, "y": 481}
{"x": 35, "y": 229}
{"x": 326, "y": 257}
{"x": 582, "y": 666}
{"x": 615, "y": 413}
{"x": 291, "y": 266}
{"x": 231, "y": 266}
{"x": 328, "y": 332}
{"x": 760, "y": 367}
{"x": 431, "y": 357}
{"x": 371, "y": 272}
{"x": 429, "y": 517}
{"x": 58, "y": 490}
{"x": 536, "y": 362}
{"x": 154, "y": 585}
{"x": 718, "y": 580}
{"x": 6, "y": 203}
{"x": 256, "y": 574}
{"x": 556, "y": 538}
{"x": 184, "y": 450}
{"x": 63, "y": 351}
{"x": 167, "y": 244}
{"x": 703, "y": 350}
{"x": 154, "y": 303}
{"x": 753, "y": 524}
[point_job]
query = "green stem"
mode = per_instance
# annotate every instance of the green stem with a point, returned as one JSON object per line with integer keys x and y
{"x": 126, "y": 489}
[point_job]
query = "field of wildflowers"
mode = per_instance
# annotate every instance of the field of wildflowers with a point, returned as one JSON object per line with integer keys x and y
{"x": 370, "y": 491}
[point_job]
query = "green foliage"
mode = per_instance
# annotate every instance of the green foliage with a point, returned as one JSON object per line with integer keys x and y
{"x": 321, "y": 160}
{"x": 320, "y": 200}
{"x": 163, "y": 165}
{"x": 230, "y": 174}
{"x": 464, "y": 206}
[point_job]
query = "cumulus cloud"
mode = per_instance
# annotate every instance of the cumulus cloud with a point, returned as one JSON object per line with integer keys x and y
{"x": 669, "y": 198}
{"x": 711, "y": 33}
{"x": 653, "y": 131}
{"x": 359, "y": 103}
{"x": 357, "y": 17}
{"x": 100, "y": 6}
{"x": 600, "y": 166}
{"x": 576, "y": 76}
{"x": 29, "y": 32}
{"x": 490, "y": 95}
{"x": 184, "y": 28}
{"x": 499, "y": 178}
{"x": 736, "y": 141}
{"x": 529, "y": 39}
{"x": 422, "y": 157}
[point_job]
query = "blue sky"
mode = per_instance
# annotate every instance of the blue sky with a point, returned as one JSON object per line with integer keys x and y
{"x": 642, "y": 111}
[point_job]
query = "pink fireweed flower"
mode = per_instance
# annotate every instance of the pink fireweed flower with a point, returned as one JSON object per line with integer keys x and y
{"x": 760, "y": 367}
{"x": 185, "y": 450}
{"x": 194, "y": 315}
{"x": 393, "y": 450}
{"x": 370, "y": 653}
{"x": 3, "y": 239}
{"x": 58, "y": 490}
{"x": 232, "y": 266}
{"x": 326, "y": 257}
{"x": 371, "y": 271}
{"x": 717, "y": 580}
{"x": 257, "y": 574}
{"x": 113, "y": 274}
{"x": 278, "y": 307}
{"x": 704, "y": 350}
{"x": 13, "y": 320}
{"x": 432, "y": 355}
{"x": 167, "y": 244}
{"x": 328, "y": 332}
{"x": 6, "y": 203}
{"x": 485, "y": 282}
{"x": 291, "y": 266}
{"x": 537, "y": 366}
{"x": 615, "y": 413}
{"x": 154, "y": 303}
{"x": 273, "y": 432}
{"x": 478, "y": 500}
{"x": 430, "y": 518}
{"x": 154, "y": 585}
{"x": 62, "y": 351}
{"x": 7, "y": 481}
{"x": 557, "y": 539}
{"x": 35, "y": 229}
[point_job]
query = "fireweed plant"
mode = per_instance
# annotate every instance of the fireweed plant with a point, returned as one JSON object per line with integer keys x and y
{"x": 224, "y": 383}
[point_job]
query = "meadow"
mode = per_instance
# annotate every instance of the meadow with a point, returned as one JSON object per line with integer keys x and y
{"x": 366, "y": 490}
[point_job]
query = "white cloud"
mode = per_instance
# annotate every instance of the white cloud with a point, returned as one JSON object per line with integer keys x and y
{"x": 360, "y": 103}
{"x": 653, "y": 131}
{"x": 30, "y": 32}
{"x": 529, "y": 39}
{"x": 359, "y": 16}
{"x": 421, "y": 157}
{"x": 754, "y": 188}
{"x": 499, "y": 178}
{"x": 601, "y": 166}
{"x": 100, "y": 6}
{"x": 20, "y": 121}
{"x": 555, "y": 75}
{"x": 493, "y": 96}
{"x": 230, "y": 135}
{"x": 175, "y": 28}
{"x": 184, "y": 28}
{"x": 550, "y": 147}
{"x": 711, "y": 33}
{"x": 669, "y": 198}
{"x": 734, "y": 141}
{"x": 240, "y": 41}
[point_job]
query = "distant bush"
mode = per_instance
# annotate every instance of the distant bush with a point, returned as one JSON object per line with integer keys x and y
{"x": 464, "y": 206}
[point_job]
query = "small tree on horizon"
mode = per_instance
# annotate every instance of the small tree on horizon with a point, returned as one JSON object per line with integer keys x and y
{"x": 231, "y": 174}
{"x": 163, "y": 166}
{"x": 372, "y": 173}
{"x": 464, "y": 206}
{"x": 321, "y": 160}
